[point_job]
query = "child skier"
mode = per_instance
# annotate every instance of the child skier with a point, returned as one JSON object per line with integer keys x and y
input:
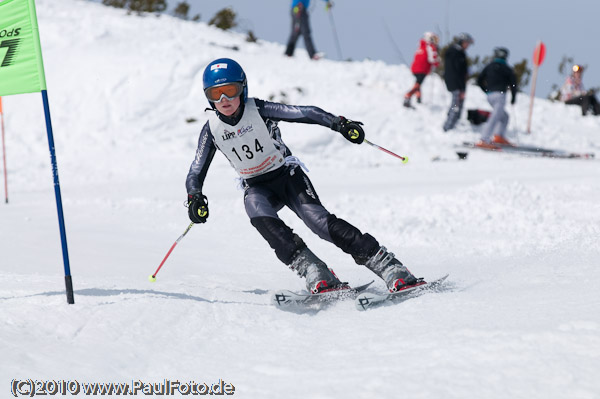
{"x": 426, "y": 58}
{"x": 245, "y": 130}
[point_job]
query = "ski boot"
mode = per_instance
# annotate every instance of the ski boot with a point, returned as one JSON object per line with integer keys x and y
{"x": 497, "y": 139}
{"x": 319, "y": 278}
{"x": 406, "y": 102}
{"x": 318, "y": 56}
{"x": 396, "y": 276}
{"x": 487, "y": 145}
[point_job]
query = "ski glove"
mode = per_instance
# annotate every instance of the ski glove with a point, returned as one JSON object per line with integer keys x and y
{"x": 197, "y": 208}
{"x": 351, "y": 130}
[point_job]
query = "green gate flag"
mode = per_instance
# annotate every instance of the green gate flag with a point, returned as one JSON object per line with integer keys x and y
{"x": 21, "y": 65}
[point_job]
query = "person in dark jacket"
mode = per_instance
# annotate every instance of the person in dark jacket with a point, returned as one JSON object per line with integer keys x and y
{"x": 496, "y": 78}
{"x": 246, "y": 131}
{"x": 301, "y": 26}
{"x": 455, "y": 76}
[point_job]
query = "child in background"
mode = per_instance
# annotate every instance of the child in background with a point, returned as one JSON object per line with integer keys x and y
{"x": 426, "y": 58}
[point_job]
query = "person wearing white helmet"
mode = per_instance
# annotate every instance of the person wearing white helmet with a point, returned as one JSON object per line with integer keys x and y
{"x": 426, "y": 58}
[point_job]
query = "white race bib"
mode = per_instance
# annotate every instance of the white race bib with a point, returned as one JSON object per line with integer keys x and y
{"x": 248, "y": 145}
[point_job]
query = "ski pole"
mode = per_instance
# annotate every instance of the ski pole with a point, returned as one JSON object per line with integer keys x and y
{"x": 335, "y": 35}
{"x": 513, "y": 116}
{"x": 152, "y": 278}
{"x": 387, "y": 29}
{"x": 404, "y": 159}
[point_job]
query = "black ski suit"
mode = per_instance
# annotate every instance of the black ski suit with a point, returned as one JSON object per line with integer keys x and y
{"x": 276, "y": 181}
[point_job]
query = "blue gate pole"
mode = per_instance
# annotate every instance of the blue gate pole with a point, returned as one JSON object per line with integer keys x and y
{"x": 61, "y": 218}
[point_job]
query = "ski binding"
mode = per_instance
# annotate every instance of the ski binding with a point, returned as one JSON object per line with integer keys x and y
{"x": 369, "y": 300}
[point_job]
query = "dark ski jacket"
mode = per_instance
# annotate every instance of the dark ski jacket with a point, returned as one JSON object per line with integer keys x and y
{"x": 498, "y": 76}
{"x": 455, "y": 68}
{"x": 271, "y": 113}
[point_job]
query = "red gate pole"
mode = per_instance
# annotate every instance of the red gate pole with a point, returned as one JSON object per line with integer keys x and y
{"x": 538, "y": 57}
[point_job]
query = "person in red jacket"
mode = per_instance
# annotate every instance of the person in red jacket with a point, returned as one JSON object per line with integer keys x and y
{"x": 426, "y": 57}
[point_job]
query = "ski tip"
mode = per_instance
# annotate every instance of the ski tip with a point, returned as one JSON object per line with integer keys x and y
{"x": 363, "y": 287}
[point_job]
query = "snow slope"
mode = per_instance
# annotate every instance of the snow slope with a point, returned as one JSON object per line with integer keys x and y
{"x": 519, "y": 236}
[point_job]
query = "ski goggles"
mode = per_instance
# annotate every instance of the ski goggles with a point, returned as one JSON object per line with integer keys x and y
{"x": 228, "y": 90}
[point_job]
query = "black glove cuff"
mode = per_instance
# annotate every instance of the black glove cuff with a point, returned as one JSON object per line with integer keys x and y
{"x": 197, "y": 197}
{"x": 337, "y": 123}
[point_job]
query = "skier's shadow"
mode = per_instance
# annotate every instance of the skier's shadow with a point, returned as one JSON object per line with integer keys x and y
{"x": 114, "y": 292}
{"x": 103, "y": 292}
{"x": 311, "y": 310}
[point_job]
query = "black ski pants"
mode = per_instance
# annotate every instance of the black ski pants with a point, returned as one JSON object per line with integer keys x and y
{"x": 291, "y": 187}
{"x": 587, "y": 102}
{"x": 300, "y": 26}
{"x": 458, "y": 99}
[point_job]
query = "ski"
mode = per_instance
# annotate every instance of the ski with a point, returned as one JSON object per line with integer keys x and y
{"x": 528, "y": 150}
{"x": 285, "y": 299}
{"x": 369, "y": 300}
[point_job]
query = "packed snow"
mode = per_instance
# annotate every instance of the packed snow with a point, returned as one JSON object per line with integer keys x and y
{"x": 519, "y": 317}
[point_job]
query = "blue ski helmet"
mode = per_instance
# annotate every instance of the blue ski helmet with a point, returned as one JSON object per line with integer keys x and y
{"x": 222, "y": 71}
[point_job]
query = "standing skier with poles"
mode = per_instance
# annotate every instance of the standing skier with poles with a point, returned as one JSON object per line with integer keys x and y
{"x": 301, "y": 26}
{"x": 245, "y": 130}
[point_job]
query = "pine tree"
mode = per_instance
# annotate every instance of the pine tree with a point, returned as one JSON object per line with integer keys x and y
{"x": 182, "y": 9}
{"x": 224, "y": 19}
{"x": 138, "y": 5}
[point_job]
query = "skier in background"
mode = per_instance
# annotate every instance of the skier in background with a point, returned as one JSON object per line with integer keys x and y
{"x": 301, "y": 26}
{"x": 425, "y": 58}
{"x": 572, "y": 92}
{"x": 245, "y": 130}
{"x": 455, "y": 76}
{"x": 495, "y": 79}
